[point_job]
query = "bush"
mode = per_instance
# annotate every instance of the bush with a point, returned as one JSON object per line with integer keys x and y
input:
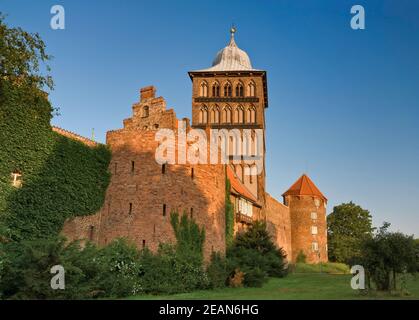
{"x": 176, "y": 267}
{"x": 301, "y": 257}
{"x": 254, "y": 253}
{"x": 122, "y": 269}
{"x": 168, "y": 272}
{"x": 217, "y": 271}
{"x": 255, "y": 277}
{"x": 89, "y": 272}
{"x": 236, "y": 279}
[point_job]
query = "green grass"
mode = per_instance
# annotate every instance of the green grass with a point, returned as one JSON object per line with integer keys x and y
{"x": 329, "y": 267}
{"x": 294, "y": 286}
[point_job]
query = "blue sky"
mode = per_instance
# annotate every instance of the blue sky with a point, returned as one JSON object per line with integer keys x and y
{"x": 343, "y": 103}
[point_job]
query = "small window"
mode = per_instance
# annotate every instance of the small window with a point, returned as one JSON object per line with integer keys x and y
{"x": 91, "y": 233}
{"x": 313, "y": 229}
{"x": 130, "y": 208}
{"x": 192, "y": 173}
{"x": 156, "y": 126}
{"x": 16, "y": 179}
{"x": 191, "y": 213}
{"x": 132, "y": 166}
{"x": 314, "y": 246}
{"x": 163, "y": 168}
{"x": 145, "y": 112}
{"x": 164, "y": 210}
{"x": 314, "y": 215}
{"x": 143, "y": 244}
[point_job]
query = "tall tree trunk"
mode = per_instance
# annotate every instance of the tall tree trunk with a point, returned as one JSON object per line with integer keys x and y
{"x": 394, "y": 279}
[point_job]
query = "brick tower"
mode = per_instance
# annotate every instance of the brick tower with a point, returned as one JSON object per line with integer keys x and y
{"x": 231, "y": 94}
{"x": 307, "y": 206}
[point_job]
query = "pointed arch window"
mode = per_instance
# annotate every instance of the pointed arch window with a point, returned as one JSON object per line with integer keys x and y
{"x": 215, "y": 115}
{"x": 239, "y": 90}
{"x": 203, "y": 115}
{"x": 227, "y": 90}
{"x": 203, "y": 89}
{"x": 227, "y": 114}
{"x": 216, "y": 89}
{"x": 252, "y": 89}
{"x": 251, "y": 115}
{"x": 239, "y": 115}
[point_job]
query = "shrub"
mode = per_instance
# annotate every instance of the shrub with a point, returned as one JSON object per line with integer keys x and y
{"x": 254, "y": 253}
{"x": 236, "y": 279}
{"x": 301, "y": 257}
{"x": 255, "y": 277}
{"x": 168, "y": 272}
{"x": 122, "y": 269}
{"x": 217, "y": 271}
{"x": 176, "y": 267}
{"x": 89, "y": 272}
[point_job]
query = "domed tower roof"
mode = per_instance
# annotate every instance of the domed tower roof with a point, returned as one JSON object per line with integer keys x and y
{"x": 231, "y": 58}
{"x": 304, "y": 187}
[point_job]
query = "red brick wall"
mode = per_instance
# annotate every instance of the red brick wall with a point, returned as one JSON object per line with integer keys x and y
{"x": 301, "y": 223}
{"x": 278, "y": 224}
{"x": 145, "y": 187}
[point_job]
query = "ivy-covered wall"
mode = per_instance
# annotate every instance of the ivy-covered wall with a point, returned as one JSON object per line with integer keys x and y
{"x": 61, "y": 177}
{"x": 229, "y": 219}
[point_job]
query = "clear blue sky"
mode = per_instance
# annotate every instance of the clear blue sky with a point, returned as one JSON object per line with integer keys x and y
{"x": 343, "y": 104}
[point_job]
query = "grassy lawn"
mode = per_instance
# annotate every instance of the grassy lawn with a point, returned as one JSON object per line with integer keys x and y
{"x": 294, "y": 286}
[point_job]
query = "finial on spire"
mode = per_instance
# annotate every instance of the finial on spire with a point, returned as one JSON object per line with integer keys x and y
{"x": 233, "y": 30}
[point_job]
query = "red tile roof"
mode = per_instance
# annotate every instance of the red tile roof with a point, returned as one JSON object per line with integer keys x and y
{"x": 304, "y": 187}
{"x": 238, "y": 187}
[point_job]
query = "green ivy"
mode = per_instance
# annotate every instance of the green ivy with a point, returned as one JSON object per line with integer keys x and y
{"x": 62, "y": 178}
{"x": 229, "y": 216}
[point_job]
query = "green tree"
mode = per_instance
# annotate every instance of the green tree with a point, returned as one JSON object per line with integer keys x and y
{"x": 347, "y": 226}
{"x": 386, "y": 255}
{"x": 23, "y": 59}
{"x": 417, "y": 253}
